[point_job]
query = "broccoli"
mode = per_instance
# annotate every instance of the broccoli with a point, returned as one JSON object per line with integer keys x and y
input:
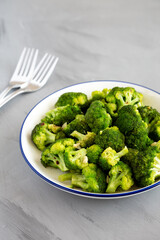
{"x": 128, "y": 118}
{"x": 93, "y": 153}
{"x": 72, "y": 98}
{"x": 91, "y": 179}
{"x": 60, "y": 115}
{"x": 96, "y": 116}
{"x": 99, "y": 95}
{"x": 84, "y": 140}
{"x": 155, "y": 131}
{"x": 79, "y": 124}
{"x": 145, "y": 165}
{"x": 44, "y": 134}
{"x": 53, "y": 155}
{"x": 120, "y": 176}
{"x": 111, "y": 137}
{"x": 75, "y": 159}
{"x": 138, "y": 138}
{"x": 134, "y": 128}
{"x": 110, "y": 157}
{"x": 152, "y": 117}
{"x": 119, "y": 97}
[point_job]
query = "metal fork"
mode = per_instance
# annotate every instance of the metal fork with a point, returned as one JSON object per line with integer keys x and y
{"x": 23, "y": 71}
{"x": 38, "y": 79}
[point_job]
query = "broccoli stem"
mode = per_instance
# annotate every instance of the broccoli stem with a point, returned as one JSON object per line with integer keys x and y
{"x": 79, "y": 181}
{"x": 77, "y": 135}
{"x": 156, "y": 167}
{"x": 114, "y": 183}
{"x": 122, "y": 152}
{"x": 65, "y": 177}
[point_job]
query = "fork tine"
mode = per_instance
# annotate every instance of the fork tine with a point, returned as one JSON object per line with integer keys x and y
{"x": 44, "y": 78}
{"x": 48, "y": 59}
{"x": 40, "y": 64}
{"x": 31, "y": 63}
{"x": 25, "y": 61}
{"x": 20, "y": 61}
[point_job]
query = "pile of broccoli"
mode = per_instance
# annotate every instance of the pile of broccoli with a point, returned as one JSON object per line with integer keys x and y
{"x": 104, "y": 143}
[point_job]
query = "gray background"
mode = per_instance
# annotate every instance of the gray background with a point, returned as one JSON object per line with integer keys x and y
{"x": 118, "y": 39}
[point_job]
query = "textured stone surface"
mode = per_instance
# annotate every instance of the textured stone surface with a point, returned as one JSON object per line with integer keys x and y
{"x": 94, "y": 40}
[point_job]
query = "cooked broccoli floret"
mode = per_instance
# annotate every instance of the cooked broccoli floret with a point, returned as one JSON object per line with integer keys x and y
{"x": 53, "y": 155}
{"x": 145, "y": 165}
{"x": 111, "y": 137}
{"x": 60, "y": 115}
{"x": 135, "y": 129}
{"x": 99, "y": 95}
{"x": 84, "y": 140}
{"x": 92, "y": 179}
{"x": 96, "y": 116}
{"x": 93, "y": 153}
{"x": 155, "y": 131}
{"x": 120, "y": 176}
{"x": 79, "y": 124}
{"x": 44, "y": 134}
{"x": 152, "y": 117}
{"x": 72, "y": 98}
{"x": 128, "y": 118}
{"x": 110, "y": 157}
{"x": 138, "y": 138}
{"x": 119, "y": 97}
{"x": 75, "y": 159}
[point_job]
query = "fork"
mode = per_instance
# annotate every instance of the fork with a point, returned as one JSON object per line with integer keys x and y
{"x": 38, "y": 78}
{"x": 23, "y": 71}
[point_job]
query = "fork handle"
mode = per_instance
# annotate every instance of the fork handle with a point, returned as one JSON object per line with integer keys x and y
{"x": 5, "y": 91}
{"x": 10, "y": 96}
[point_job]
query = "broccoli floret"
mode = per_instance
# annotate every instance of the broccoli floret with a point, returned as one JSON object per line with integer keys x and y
{"x": 155, "y": 131}
{"x": 99, "y": 95}
{"x": 96, "y": 116}
{"x": 79, "y": 124}
{"x": 135, "y": 129}
{"x": 111, "y": 137}
{"x": 84, "y": 140}
{"x": 119, "y": 97}
{"x": 53, "y": 155}
{"x": 42, "y": 134}
{"x": 152, "y": 117}
{"x": 110, "y": 157}
{"x": 128, "y": 118}
{"x": 75, "y": 159}
{"x": 148, "y": 114}
{"x": 72, "y": 98}
{"x": 60, "y": 115}
{"x": 93, "y": 153}
{"x": 146, "y": 165}
{"x": 138, "y": 138}
{"x": 120, "y": 176}
{"x": 92, "y": 179}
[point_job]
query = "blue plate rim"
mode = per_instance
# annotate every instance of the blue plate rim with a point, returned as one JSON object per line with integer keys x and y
{"x": 75, "y": 191}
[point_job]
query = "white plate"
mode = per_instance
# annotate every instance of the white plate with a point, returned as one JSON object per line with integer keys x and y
{"x": 32, "y": 155}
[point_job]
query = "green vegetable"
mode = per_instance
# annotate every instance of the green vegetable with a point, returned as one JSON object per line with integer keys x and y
{"x": 53, "y": 155}
{"x": 75, "y": 159}
{"x": 93, "y": 153}
{"x": 110, "y": 157}
{"x": 72, "y": 98}
{"x": 79, "y": 124}
{"x": 84, "y": 140}
{"x": 111, "y": 137}
{"x": 60, "y": 115}
{"x": 91, "y": 179}
{"x": 120, "y": 176}
{"x": 145, "y": 165}
{"x": 96, "y": 116}
{"x": 44, "y": 134}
